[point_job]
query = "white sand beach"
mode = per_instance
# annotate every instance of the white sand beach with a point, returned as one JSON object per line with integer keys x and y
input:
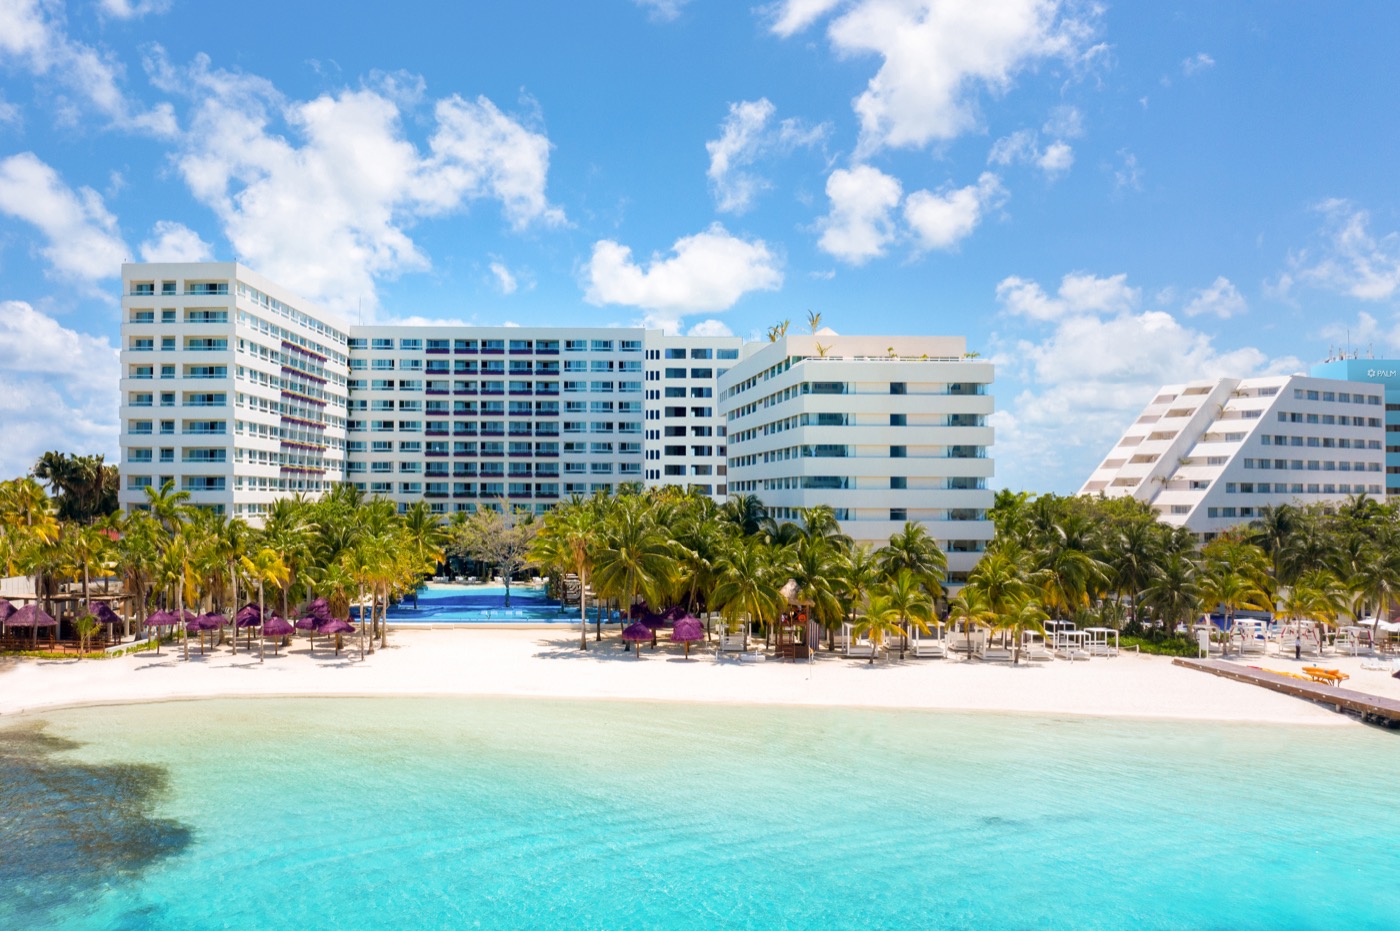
{"x": 547, "y": 663}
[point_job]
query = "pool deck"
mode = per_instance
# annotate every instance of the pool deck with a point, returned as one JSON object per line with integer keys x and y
{"x": 1372, "y": 709}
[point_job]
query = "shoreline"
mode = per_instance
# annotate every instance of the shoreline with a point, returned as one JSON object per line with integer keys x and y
{"x": 533, "y": 664}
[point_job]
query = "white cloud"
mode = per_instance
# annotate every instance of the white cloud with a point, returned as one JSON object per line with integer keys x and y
{"x": 662, "y": 10}
{"x": 938, "y": 55}
{"x": 710, "y": 328}
{"x": 860, "y": 224}
{"x": 1127, "y": 176}
{"x": 131, "y": 9}
{"x": 82, "y": 240}
{"x": 9, "y": 112}
{"x": 1023, "y": 147}
{"x": 504, "y": 279}
{"x": 1350, "y": 259}
{"x": 1089, "y": 373}
{"x": 793, "y": 16}
{"x": 480, "y": 152}
{"x": 1020, "y": 146}
{"x": 1057, "y": 158}
{"x": 705, "y": 272}
{"x": 1196, "y": 64}
{"x": 746, "y": 137}
{"x": 56, "y": 389}
{"x": 1222, "y": 299}
{"x": 321, "y": 194}
{"x": 1079, "y": 294}
{"x": 175, "y": 242}
{"x": 944, "y": 219}
{"x": 1065, "y": 121}
{"x": 33, "y": 37}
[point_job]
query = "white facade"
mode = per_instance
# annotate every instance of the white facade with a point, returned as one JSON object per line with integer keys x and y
{"x": 242, "y": 393}
{"x": 231, "y": 386}
{"x": 884, "y": 429}
{"x": 1210, "y": 455}
{"x": 465, "y": 415}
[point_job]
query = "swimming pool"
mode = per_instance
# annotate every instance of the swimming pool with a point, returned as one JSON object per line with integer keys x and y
{"x": 443, "y": 603}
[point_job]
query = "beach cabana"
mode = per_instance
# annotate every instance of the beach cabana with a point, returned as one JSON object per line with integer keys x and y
{"x": 33, "y": 616}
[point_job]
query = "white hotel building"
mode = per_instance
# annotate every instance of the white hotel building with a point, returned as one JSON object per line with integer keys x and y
{"x": 241, "y": 393}
{"x": 1210, "y": 455}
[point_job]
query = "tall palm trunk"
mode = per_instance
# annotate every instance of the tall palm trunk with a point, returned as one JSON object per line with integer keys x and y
{"x": 582, "y": 611}
{"x": 262, "y": 609}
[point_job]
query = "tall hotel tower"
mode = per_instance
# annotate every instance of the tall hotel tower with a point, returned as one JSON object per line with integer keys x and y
{"x": 240, "y": 393}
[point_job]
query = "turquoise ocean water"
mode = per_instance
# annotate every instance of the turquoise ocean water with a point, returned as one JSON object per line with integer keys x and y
{"x": 436, "y": 813}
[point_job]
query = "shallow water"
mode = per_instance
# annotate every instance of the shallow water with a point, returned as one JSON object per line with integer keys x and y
{"x": 445, "y": 812}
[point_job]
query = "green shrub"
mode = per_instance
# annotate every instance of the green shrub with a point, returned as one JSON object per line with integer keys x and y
{"x": 1170, "y": 646}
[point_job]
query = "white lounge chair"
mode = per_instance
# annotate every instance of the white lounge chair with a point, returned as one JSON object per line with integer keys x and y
{"x": 993, "y": 651}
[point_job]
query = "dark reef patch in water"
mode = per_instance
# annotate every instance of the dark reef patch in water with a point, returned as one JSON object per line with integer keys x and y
{"x": 72, "y": 828}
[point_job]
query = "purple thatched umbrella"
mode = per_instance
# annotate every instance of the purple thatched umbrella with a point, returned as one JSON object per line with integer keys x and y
{"x": 31, "y": 615}
{"x": 638, "y": 610}
{"x": 204, "y": 622}
{"x": 277, "y": 627}
{"x": 249, "y": 616}
{"x": 637, "y": 633}
{"x": 336, "y": 626}
{"x": 161, "y": 619}
{"x": 309, "y": 624}
{"x": 688, "y": 629}
{"x": 6, "y": 609}
{"x": 103, "y": 612}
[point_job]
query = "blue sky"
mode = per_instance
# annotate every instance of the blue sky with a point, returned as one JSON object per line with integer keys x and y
{"x": 1102, "y": 197}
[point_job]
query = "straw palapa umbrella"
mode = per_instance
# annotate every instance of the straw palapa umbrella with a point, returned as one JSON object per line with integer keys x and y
{"x": 688, "y": 629}
{"x": 637, "y": 633}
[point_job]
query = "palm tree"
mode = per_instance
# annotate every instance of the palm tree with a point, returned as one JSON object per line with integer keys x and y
{"x": 995, "y": 586}
{"x": 265, "y": 567}
{"x": 569, "y": 538}
{"x": 906, "y": 594}
{"x": 1173, "y": 594}
{"x": 634, "y": 556}
{"x": 913, "y": 549}
{"x": 288, "y": 530}
{"x": 816, "y": 568}
{"x": 425, "y": 539}
{"x": 1027, "y": 615}
{"x": 879, "y": 619}
{"x": 749, "y": 583}
{"x": 168, "y": 506}
{"x": 746, "y": 512}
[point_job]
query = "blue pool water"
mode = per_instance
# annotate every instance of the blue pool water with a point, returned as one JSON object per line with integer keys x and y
{"x": 366, "y": 813}
{"x": 441, "y": 603}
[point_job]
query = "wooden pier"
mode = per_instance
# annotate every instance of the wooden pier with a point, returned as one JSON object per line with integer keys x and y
{"x": 1372, "y": 709}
